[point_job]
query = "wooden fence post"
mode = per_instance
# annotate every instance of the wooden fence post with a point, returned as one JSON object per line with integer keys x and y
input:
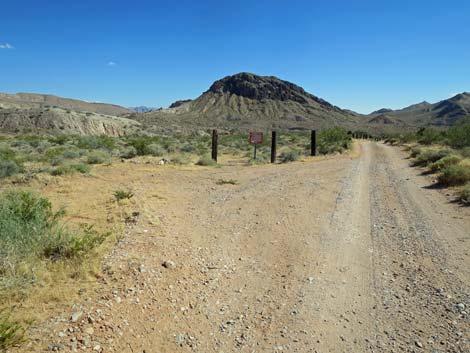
{"x": 273, "y": 146}
{"x": 214, "y": 145}
{"x": 313, "y": 143}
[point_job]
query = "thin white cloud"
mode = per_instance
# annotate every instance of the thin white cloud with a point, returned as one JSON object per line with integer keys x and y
{"x": 112, "y": 63}
{"x": 6, "y": 46}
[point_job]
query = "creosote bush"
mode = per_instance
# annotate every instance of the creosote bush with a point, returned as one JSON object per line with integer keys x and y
{"x": 10, "y": 333}
{"x": 456, "y": 174}
{"x": 464, "y": 195}
{"x": 206, "y": 160}
{"x": 334, "y": 140}
{"x": 123, "y": 194}
{"x": 98, "y": 157}
{"x": 290, "y": 156}
{"x": 430, "y": 155}
{"x": 31, "y": 233}
{"x": 444, "y": 162}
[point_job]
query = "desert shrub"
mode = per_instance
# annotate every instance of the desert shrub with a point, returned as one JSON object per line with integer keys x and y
{"x": 31, "y": 231}
{"x": 52, "y": 153}
{"x": 428, "y": 136}
{"x": 6, "y": 153}
{"x": 226, "y": 181}
{"x": 72, "y": 152}
{"x": 415, "y": 151}
{"x": 289, "y": 155}
{"x": 154, "y": 150}
{"x": 96, "y": 142}
{"x": 81, "y": 168}
{"x": 430, "y": 155}
{"x": 188, "y": 148}
{"x": 407, "y": 137}
{"x": 464, "y": 195}
{"x": 465, "y": 152}
{"x": 456, "y": 174}
{"x": 62, "y": 170}
{"x": 10, "y": 332}
{"x": 42, "y": 146}
{"x": 181, "y": 159}
{"x": 444, "y": 162}
{"x": 206, "y": 160}
{"x": 333, "y": 140}
{"x": 57, "y": 161}
{"x": 9, "y": 168}
{"x": 73, "y": 246}
{"x": 123, "y": 194}
{"x": 458, "y": 136}
{"x": 70, "y": 169}
{"x": 142, "y": 144}
{"x": 128, "y": 152}
{"x": 98, "y": 157}
{"x": 59, "y": 139}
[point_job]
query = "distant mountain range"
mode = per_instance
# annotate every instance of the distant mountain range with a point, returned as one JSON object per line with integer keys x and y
{"x": 243, "y": 101}
{"x": 440, "y": 114}
{"x": 142, "y": 109}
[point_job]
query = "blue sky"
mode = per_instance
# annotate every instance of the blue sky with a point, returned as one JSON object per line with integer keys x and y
{"x": 360, "y": 55}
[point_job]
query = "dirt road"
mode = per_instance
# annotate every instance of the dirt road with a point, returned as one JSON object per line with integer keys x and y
{"x": 347, "y": 254}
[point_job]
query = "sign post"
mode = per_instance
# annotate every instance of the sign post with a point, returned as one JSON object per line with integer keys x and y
{"x": 273, "y": 146}
{"x": 214, "y": 145}
{"x": 313, "y": 143}
{"x": 256, "y": 138}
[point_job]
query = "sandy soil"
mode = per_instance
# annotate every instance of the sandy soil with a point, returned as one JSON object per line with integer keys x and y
{"x": 353, "y": 253}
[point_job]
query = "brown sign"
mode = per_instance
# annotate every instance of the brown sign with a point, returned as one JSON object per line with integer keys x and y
{"x": 256, "y": 138}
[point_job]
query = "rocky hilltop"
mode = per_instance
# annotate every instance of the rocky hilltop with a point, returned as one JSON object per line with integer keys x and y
{"x": 246, "y": 101}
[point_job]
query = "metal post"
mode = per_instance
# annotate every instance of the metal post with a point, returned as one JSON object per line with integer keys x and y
{"x": 313, "y": 143}
{"x": 254, "y": 156}
{"x": 273, "y": 146}
{"x": 214, "y": 145}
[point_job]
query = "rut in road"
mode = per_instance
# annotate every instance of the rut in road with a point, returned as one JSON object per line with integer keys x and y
{"x": 344, "y": 254}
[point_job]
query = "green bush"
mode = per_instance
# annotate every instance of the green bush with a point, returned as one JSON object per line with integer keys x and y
{"x": 430, "y": 155}
{"x": 444, "y": 162}
{"x": 458, "y": 136}
{"x": 97, "y": 142}
{"x": 428, "y": 136}
{"x": 333, "y": 140}
{"x": 123, "y": 194}
{"x": 415, "y": 151}
{"x": 464, "y": 195}
{"x": 72, "y": 152}
{"x": 81, "y": 168}
{"x": 9, "y": 168}
{"x": 98, "y": 157}
{"x": 155, "y": 150}
{"x": 62, "y": 170}
{"x": 206, "y": 160}
{"x": 31, "y": 231}
{"x": 456, "y": 174}
{"x": 289, "y": 156}
{"x": 128, "y": 152}
{"x": 181, "y": 159}
{"x": 188, "y": 148}
{"x": 465, "y": 152}
{"x": 10, "y": 333}
{"x": 57, "y": 161}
